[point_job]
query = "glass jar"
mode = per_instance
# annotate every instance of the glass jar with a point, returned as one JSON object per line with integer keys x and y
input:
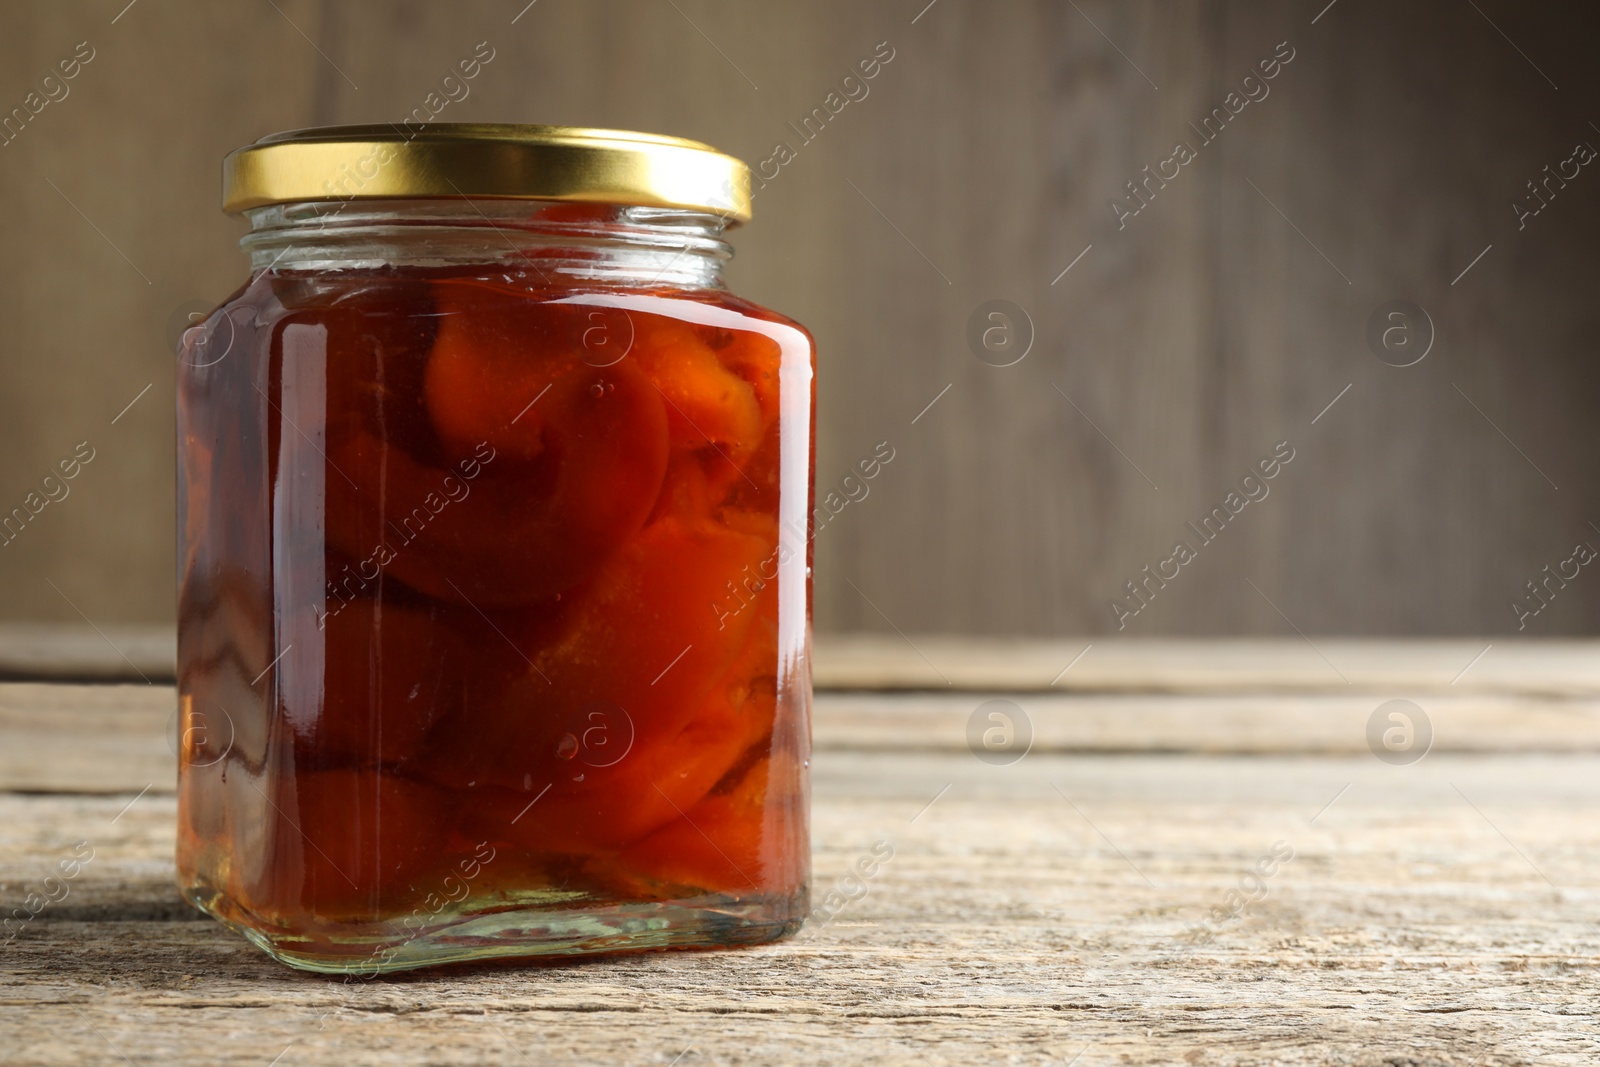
{"x": 494, "y": 569}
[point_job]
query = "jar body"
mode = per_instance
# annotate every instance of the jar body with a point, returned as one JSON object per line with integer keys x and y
{"x": 493, "y": 613}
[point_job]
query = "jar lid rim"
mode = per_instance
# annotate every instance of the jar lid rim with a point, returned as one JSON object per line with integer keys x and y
{"x": 461, "y": 160}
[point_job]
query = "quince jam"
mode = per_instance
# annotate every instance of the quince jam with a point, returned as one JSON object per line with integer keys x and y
{"x": 493, "y": 616}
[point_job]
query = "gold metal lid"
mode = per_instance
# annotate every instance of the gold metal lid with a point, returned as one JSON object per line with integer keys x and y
{"x": 468, "y": 160}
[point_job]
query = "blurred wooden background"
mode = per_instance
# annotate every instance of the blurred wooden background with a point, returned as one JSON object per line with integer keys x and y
{"x": 1220, "y": 321}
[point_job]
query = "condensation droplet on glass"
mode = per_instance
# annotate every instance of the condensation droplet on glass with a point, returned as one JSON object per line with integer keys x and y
{"x": 597, "y": 390}
{"x": 527, "y": 782}
{"x": 567, "y": 747}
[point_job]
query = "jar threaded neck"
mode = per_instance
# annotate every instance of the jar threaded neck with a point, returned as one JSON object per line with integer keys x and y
{"x": 602, "y": 244}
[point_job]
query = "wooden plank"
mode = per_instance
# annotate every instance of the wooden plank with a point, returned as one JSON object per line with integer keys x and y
{"x": 1194, "y": 339}
{"x": 115, "y": 188}
{"x": 121, "y": 738}
{"x": 1395, "y": 666}
{"x": 1015, "y": 923}
{"x": 1209, "y": 723}
{"x": 88, "y": 738}
{"x": 870, "y": 661}
{"x": 113, "y": 652}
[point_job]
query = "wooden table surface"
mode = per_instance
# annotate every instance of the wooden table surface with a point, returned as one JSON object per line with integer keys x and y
{"x": 1441, "y": 912}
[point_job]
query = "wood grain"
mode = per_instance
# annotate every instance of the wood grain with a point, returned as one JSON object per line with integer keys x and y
{"x": 1050, "y": 911}
{"x": 126, "y": 652}
{"x": 1133, "y": 696}
{"x": 1014, "y": 924}
{"x": 871, "y": 661}
{"x": 1397, "y": 667}
{"x": 1217, "y": 322}
{"x": 120, "y": 739}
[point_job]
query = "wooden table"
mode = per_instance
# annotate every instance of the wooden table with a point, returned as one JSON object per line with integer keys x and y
{"x": 1437, "y": 913}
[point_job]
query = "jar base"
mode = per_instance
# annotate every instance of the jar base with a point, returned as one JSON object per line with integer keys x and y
{"x": 511, "y": 933}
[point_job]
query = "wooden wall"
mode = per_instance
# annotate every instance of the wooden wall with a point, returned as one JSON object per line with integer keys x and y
{"x": 1214, "y": 324}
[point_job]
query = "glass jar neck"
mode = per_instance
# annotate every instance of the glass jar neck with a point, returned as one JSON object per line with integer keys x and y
{"x": 565, "y": 243}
